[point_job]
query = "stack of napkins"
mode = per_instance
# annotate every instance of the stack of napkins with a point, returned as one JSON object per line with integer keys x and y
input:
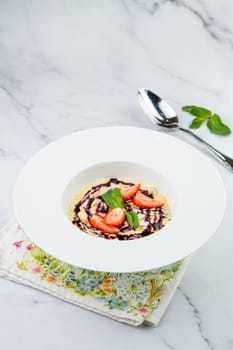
{"x": 133, "y": 298}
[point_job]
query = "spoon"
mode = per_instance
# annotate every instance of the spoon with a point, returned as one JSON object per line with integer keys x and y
{"x": 159, "y": 112}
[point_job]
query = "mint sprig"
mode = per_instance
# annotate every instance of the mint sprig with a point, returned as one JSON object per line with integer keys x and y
{"x": 132, "y": 219}
{"x": 214, "y": 122}
{"x": 113, "y": 198}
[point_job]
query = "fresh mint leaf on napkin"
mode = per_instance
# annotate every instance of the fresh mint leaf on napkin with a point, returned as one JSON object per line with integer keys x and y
{"x": 132, "y": 219}
{"x": 214, "y": 122}
{"x": 113, "y": 198}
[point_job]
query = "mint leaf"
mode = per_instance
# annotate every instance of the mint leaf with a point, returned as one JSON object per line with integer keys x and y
{"x": 197, "y": 122}
{"x": 116, "y": 193}
{"x": 132, "y": 219}
{"x": 214, "y": 122}
{"x": 217, "y": 127}
{"x": 113, "y": 198}
{"x": 197, "y": 111}
{"x": 129, "y": 218}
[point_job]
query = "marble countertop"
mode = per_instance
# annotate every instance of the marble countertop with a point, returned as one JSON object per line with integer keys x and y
{"x": 67, "y": 66}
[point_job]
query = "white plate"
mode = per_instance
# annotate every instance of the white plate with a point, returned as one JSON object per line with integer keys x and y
{"x": 189, "y": 180}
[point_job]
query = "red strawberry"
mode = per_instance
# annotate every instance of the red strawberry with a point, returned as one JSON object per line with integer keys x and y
{"x": 129, "y": 192}
{"x": 115, "y": 217}
{"x": 97, "y": 221}
{"x": 143, "y": 201}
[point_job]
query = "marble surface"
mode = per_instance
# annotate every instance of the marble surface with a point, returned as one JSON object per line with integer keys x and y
{"x": 71, "y": 65}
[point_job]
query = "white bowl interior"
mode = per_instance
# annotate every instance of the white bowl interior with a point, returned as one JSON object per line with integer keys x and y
{"x": 128, "y": 171}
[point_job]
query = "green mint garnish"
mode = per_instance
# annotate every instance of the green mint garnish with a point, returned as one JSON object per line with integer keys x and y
{"x": 216, "y": 125}
{"x": 113, "y": 198}
{"x": 132, "y": 219}
{"x": 214, "y": 122}
{"x": 197, "y": 122}
{"x": 197, "y": 111}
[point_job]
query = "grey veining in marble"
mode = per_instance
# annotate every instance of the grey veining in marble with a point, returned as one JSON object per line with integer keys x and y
{"x": 71, "y": 65}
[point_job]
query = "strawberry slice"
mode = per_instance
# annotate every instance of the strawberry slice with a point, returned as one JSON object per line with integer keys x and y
{"x": 145, "y": 202}
{"x": 97, "y": 221}
{"x": 129, "y": 192}
{"x": 115, "y": 217}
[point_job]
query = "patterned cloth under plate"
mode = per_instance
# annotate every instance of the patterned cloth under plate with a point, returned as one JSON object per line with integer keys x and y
{"x": 132, "y": 298}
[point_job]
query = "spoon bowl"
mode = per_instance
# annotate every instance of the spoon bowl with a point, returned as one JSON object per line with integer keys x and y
{"x": 157, "y": 109}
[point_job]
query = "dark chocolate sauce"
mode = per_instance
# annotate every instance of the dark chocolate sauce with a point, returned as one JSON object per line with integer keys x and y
{"x": 101, "y": 207}
{"x": 128, "y": 207}
{"x": 88, "y": 206}
{"x": 147, "y": 193}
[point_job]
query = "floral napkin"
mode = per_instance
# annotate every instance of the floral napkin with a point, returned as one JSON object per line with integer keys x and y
{"x": 133, "y": 298}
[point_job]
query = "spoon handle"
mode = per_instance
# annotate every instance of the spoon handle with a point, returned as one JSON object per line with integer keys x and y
{"x": 226, "y": 161}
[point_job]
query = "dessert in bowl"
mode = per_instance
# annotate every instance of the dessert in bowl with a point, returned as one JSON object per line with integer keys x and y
{"x": 158, "y": 169}
{"x": 119, "y": 209}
